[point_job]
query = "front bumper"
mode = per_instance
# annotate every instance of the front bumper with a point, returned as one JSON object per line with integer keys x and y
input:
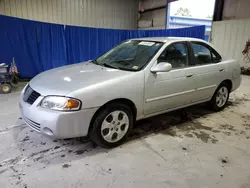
{"x": 56, "y": 124}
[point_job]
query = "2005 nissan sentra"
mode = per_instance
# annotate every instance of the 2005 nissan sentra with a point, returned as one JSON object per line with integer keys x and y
{"x": 137, "y": 79}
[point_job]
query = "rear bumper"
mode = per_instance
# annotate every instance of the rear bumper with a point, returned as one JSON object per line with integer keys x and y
{"x": 236, "y": 83}
{"x": 55, "y": 123}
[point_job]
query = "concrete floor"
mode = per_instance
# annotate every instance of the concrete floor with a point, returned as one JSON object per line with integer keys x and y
{"x": 194, "y": 148}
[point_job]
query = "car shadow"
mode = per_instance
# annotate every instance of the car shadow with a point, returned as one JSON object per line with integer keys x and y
{"x": 40, "y": 150}
{"x": 163, "y": 122}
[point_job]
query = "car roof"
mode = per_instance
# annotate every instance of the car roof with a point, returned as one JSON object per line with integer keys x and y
{"x": 169, "y": 39}
{"x": 176, "y": 39}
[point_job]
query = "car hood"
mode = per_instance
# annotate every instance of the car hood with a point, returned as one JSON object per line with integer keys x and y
{"x": 67, "y": 79}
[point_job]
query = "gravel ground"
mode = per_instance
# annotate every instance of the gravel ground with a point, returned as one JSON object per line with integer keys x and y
{"x": 194, "y": 147}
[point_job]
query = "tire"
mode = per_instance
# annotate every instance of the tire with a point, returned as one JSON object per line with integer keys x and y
{"x": 218, "y": 103}
{"x": 112, "y": 125}
{"x": 5, "y": 88}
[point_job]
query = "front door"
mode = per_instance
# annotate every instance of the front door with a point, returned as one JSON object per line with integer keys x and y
{"x": 173, "y": 89}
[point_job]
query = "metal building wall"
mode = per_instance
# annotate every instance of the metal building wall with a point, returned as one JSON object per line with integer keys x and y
{"x": 120, "y": 14}
{"x": 154, "y": 16}
{"x": 236, "y": 9}
{"x": 230, "y": 38}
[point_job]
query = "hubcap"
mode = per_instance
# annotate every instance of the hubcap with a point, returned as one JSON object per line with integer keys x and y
{"x": 115, "y": 126}
{"x": 5, "y": 88}
{"x": 221, "y": 97}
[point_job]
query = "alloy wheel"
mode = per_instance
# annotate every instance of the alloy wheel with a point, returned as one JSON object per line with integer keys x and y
{"x": 115, "y": 126}
{"x": 221, "y": 96}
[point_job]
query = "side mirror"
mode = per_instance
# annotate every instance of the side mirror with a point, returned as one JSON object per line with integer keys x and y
{"x": 161, "y": 67}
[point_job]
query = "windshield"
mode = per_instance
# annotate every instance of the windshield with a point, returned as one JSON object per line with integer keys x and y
{"x": 131, "y": 55}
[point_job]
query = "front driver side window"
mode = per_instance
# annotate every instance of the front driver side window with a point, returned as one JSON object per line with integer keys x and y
{"x": 176, "y": 54}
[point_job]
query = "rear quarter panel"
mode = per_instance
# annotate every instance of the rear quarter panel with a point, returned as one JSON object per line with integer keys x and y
{"x": 234, "y": 69}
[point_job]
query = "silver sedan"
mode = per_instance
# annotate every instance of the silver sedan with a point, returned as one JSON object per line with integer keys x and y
{"x": 137, "y": 79}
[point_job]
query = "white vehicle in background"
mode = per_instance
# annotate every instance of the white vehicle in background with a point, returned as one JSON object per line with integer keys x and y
{"x": 137, "y": 79}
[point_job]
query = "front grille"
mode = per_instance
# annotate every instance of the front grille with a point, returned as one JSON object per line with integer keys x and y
{"x": 32, "y": 124}
{"x": 30, "y": 95}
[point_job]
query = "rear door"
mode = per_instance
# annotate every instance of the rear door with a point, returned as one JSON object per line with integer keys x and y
{"x": 208, "y": 68}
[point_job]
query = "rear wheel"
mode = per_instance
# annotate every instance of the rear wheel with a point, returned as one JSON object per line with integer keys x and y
{"x": 220, "y": 97}
{"x": 5, "y": 88}
{"x": 112, "y": 125}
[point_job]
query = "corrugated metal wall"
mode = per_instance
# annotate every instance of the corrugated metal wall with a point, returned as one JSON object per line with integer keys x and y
{"x": 93, "y": 13}
{"x": 147, "y": 4}
{"x": 155, "y": 19}
{"x": 236, "y": 9}
{"x": 230, "y": 37}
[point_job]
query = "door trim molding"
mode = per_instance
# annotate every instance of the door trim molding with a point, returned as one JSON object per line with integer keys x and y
{"x": 206, "y": 87}
{"x": 168, "y": 96}
{"x": 172, "y": 109}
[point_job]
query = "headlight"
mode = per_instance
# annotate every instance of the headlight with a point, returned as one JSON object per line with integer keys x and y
{"x": 24, "y": 89}
{"x": 61, "y": 103}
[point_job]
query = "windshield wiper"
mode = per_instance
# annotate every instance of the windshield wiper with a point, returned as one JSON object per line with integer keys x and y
{"x": 110, "y": 66}
{"x": 104, "y": 64}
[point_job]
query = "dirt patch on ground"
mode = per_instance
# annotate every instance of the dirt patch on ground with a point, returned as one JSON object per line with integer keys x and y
{"x": 224, "y": 160}
{"x": 216, "y": 131}
{"x": 177, "y": 124}
{"x": 205, "y": 137}
{"x": 229, "y": 130}
{"x": 227, "y": 133}
{"x": 186, "y": 123}
{"x": 192, "y": 129}
{"x": 181, "y": 120}
{"x": 189, "y": 135}
{"x": 66, "y": 166}
{"x": 247, "y": 126}
{"x": 227, "y": 127}
{"x": 246, "y": 117}
{"x": 26, "y": 138}
{"x": 237, "y": 100}
{"x": 80, "y": 152}
{"x": 170, "y": 132}
{"x": 193, "y": 125}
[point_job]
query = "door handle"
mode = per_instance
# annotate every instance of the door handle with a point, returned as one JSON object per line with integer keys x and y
{"x": 189, "y": 75}
{"x": 221, "y": 70}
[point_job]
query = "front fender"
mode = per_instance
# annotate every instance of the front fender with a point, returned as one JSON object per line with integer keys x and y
{"x": 130, "y": 87}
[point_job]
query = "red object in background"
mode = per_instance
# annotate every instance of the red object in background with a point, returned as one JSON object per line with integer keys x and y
{"x": 142, "y": 9}
{"x": 247, "y": 47}
{"x": 246, "y": 52}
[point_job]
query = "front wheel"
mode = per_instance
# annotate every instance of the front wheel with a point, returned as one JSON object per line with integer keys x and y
{"x": 112, "y": 125}
{"x": 220, "y": 98}
{"x": 5, "y": 88}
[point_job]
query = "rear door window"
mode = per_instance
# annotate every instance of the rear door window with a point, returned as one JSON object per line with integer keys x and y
{"x": 204, "y": 54}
